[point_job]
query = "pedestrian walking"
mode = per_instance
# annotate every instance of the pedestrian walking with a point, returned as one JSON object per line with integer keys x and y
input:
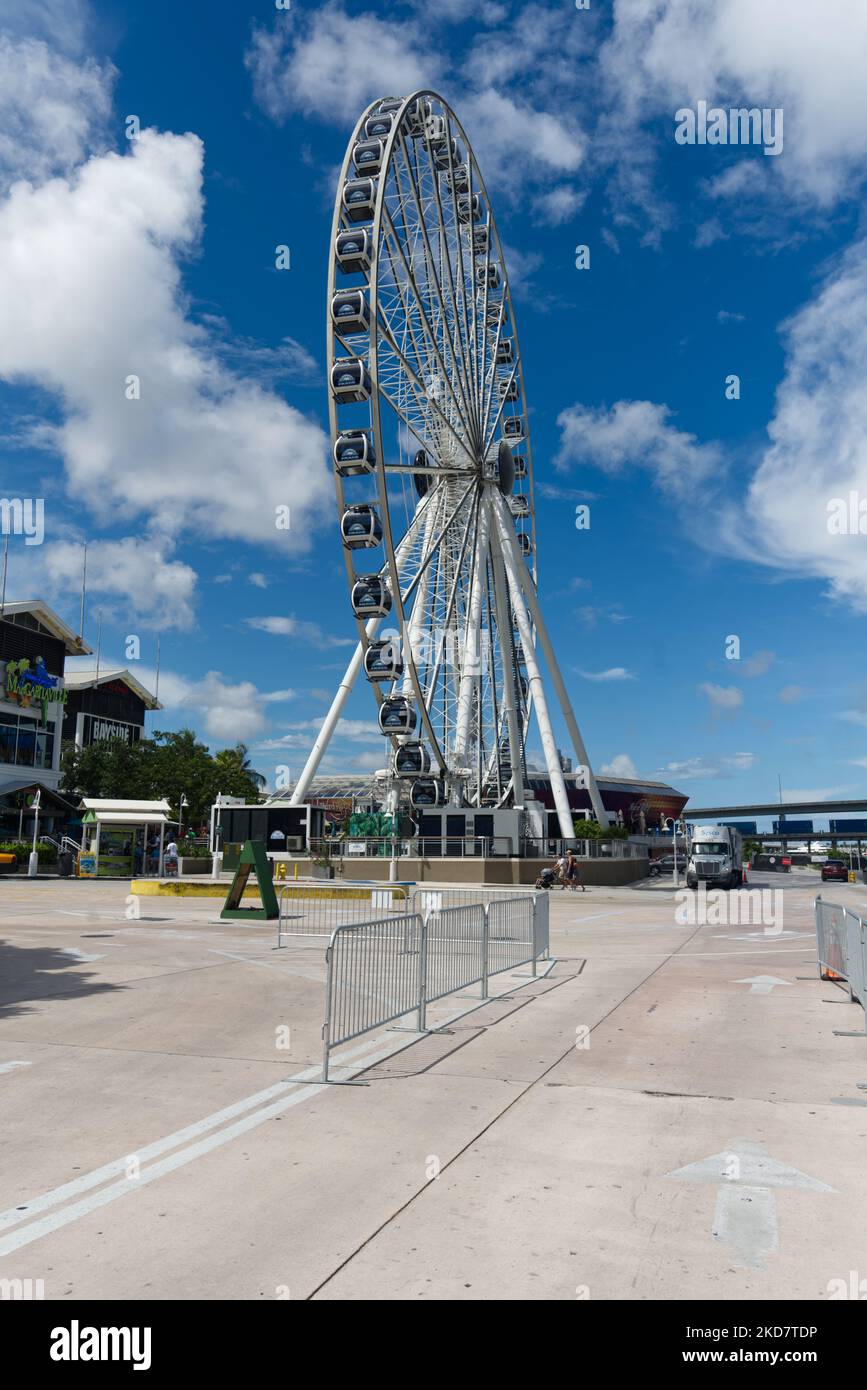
{"x": 572, "y": 873}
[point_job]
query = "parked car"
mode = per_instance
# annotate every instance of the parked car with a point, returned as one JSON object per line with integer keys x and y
{"x": 653, "y": 868}
{"x": 835, "y": 868}
{"x": 666, "y": 864}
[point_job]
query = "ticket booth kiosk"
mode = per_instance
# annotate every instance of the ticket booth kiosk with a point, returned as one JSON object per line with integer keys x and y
{"x": 122, "y": 839}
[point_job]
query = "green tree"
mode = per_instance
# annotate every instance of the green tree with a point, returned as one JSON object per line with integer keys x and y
{"x": 110, "y": 768}
{"x": 168, "y": 765}
{"x": 587, "y": 829}
{"x": 234, "y": 767}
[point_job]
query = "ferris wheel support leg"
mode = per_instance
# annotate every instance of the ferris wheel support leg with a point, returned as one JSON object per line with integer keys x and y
{"x": 472, "y": 657}
{"x": 507, "y": 656}
{"x": 563, "y": 697}
{"x": 324, "y": 736}
{"x": 419, "y": 603}
{"x": 540, "y": 704}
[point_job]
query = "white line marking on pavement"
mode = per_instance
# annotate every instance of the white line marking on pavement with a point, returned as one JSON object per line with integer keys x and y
{"x": 80, "y": 957}
{"x": 10, "y": 1066}
{"x": 368, "y": 1053}
{"x": 272, "y": 965}
{"x": 596, "y": 915}
{"x": 772, "y": 934}
{"x": 34, "y": 1230}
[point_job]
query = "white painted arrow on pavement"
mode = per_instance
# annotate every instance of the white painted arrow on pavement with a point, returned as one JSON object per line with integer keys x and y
{"x": 761, "y": 984}
{"x": 745, "y": 1217}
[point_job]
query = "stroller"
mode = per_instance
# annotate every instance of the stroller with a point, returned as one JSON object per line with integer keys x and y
{"x": 547, "y": 878}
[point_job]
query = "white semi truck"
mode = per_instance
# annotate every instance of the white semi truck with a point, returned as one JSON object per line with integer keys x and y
{"x": 715, "y": 857}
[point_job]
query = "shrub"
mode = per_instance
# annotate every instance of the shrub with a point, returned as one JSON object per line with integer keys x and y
{"x": 22, "y": 848}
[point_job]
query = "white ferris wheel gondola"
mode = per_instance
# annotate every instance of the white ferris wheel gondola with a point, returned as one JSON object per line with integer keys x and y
{"x": 426, "y": 401}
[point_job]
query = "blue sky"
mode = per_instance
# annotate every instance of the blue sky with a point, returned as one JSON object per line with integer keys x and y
{"x": 155, "y": 257}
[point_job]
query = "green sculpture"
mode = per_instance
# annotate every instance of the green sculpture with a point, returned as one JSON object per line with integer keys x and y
{"x": 253, "y": 856}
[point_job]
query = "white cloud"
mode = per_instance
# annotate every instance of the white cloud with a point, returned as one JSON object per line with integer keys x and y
{"x": 854, "y": 716}
{"x": 818, "y": 442}
{"x": 614, "y": 673}
{"x": 620, "y": 766}
{"x": 259, "y": 581}
{"x": 816, "y": 793}
{"x": 331, "y": 65}
{"x": 300, "y": 734}
{"x": 229, "y": 711}
{"x": 758, "y": 664}
{"x": 302, "y": 629}
{"x": 559, "y": 204}
{"x": 90, "y": 294}
{"x": 789, "y": 694}
{"x": 154, "y": 588}
{"x": 808, "y": 60}
{"x": 722, "y": 696}
{"x": 53, "y": 109}
{"x": 703, "y": 769}
{"x": 499, "y": 128}
{"x": 636, "y": 433}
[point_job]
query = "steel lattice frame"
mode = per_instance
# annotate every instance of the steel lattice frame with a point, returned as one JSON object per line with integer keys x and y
{"x": 441, "y": 348}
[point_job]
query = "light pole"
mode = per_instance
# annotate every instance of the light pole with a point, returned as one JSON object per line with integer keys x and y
{"x": 33, "y": 865}
{"x": 182, "y": 804}
{"x": 672, "y": 821}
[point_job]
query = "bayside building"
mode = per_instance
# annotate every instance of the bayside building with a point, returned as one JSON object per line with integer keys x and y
{"x": 105, "y": 704}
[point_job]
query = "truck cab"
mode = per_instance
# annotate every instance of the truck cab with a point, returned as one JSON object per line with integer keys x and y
{"x": 715, "y": 857}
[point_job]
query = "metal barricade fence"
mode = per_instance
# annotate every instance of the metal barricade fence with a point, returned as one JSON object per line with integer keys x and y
{"x": 511, "y": 939}
{"x": 857, "y": 966}
{"x": 842, "y": 952}
{"x": 831, "y": 937}
{"x": 455, "y": 950}
{"x": 425, "y": 898}
{"x": 372, "y": 978}
{"x": 316, "y": 909}
{"x": 381, "y": 970}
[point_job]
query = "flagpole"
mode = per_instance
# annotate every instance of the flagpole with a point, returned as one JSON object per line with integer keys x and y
{"x": 5, "y": 565}
{"x": 83, "y": 592}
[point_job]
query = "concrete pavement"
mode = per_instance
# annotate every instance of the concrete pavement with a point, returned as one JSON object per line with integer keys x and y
{"x": 666, "y": 1113}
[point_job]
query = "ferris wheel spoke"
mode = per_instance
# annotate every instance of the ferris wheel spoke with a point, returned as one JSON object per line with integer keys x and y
{"x": 421, "y": 394}
{"x": 491, "y": 372}
{"x": 431, "y": 343}
{"x": 450, "y": 607}
{"x": 446, "y": 282}
{"x": 489, "y": 437}
{"x": 413, "y": 241}
{"x": 452, "y": 186}
{"x": 442, "y": 532}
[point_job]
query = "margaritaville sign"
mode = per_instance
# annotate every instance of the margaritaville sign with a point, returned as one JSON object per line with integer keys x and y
{"x": 27, "y": 682}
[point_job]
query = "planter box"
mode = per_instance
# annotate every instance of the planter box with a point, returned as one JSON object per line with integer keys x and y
{"x": 197, "y": 865}
{"x": 317, "y": 872}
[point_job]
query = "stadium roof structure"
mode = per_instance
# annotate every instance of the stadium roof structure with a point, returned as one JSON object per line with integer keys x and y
{"x": 365, "y": 785}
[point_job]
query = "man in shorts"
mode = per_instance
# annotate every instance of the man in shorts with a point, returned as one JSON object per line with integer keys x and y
{"x": 572, "y": 873}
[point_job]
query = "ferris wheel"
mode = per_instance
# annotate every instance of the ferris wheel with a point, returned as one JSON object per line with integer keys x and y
{"x": 433, "y": 471}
